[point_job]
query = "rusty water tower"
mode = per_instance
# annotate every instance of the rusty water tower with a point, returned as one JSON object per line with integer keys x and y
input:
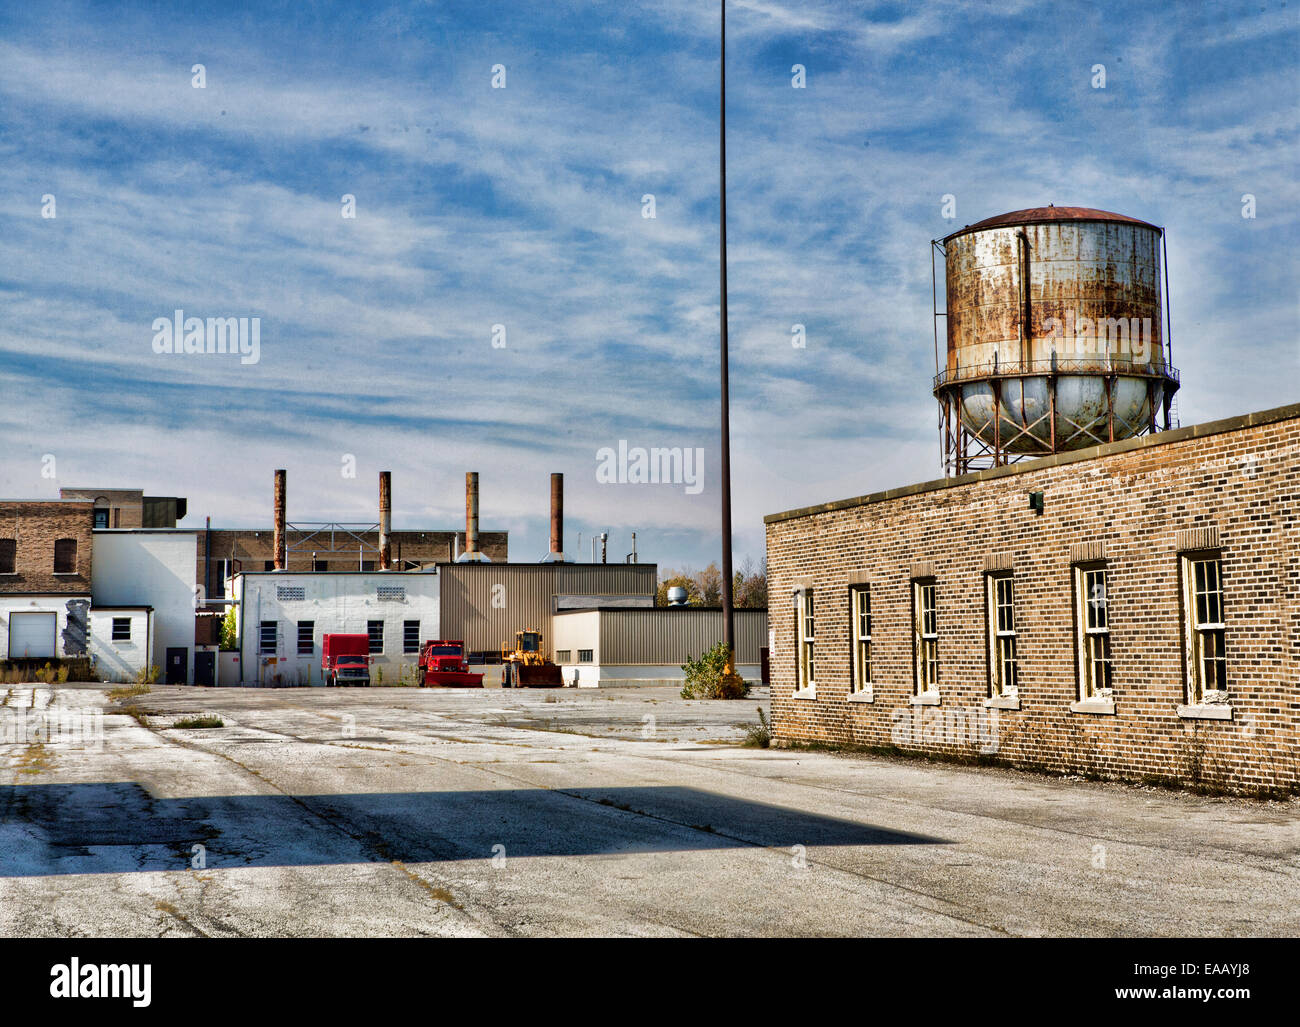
{"x": 1056, "y": 336}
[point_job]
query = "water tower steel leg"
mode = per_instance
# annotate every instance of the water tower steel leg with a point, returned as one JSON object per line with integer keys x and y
{"x": 962, "y": 441}
{"x": 1110, "y": 408}
{"x": 997, "y": 424}
{"x": 945, "y": 436}
{"x": 1051, "y": 406}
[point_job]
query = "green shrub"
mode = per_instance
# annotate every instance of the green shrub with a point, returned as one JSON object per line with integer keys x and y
{"x": 704, "y": 677}
{"x": 228, "y": 641}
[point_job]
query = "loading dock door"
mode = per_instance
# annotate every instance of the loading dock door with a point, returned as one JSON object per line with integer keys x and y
{"x": 31, "y": 635}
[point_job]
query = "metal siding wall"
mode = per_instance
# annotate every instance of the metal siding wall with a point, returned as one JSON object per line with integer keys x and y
{"x": 606, "y": 579}
{"x": 670, "y": 636}
{"x": 467, "y": 610}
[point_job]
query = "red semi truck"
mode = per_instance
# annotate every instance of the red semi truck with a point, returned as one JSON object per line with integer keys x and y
{"x": 443, "y": 663}
{"x": 345, "y": 659}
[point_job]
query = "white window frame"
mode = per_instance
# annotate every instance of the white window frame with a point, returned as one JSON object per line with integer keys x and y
{"x": 805, "y": 641}
{"x": 1003, "y": 655}
{"x": 861, "y": 686}
{"x": 1199, "y": 626}
{"x": 262, "y": 649}
{"x": 925, "y": 639}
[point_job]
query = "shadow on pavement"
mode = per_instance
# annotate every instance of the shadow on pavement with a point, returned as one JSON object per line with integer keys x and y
{"x": 119, "y": 827}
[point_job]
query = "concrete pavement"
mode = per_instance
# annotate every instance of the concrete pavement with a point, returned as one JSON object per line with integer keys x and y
{"x": 409, "y": 812}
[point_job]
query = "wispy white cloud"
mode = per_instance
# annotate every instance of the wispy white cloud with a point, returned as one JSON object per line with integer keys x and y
{"x": 522, "y": 207}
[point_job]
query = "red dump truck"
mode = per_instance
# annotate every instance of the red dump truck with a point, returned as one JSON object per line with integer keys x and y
{"x": 345, "y": 659}
{"x": 443, "y": 663}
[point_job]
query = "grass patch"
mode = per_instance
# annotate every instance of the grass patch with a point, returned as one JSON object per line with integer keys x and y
{"x": 206, "y": 720}
{"x": 758, "y": 736}
{"x": 34, "y": 759}
{"x": 129, "y": 691}
{"x": 138, "y": 714}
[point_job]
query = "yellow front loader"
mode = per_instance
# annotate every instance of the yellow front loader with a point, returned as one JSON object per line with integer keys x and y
{"x": 527, "y": 665}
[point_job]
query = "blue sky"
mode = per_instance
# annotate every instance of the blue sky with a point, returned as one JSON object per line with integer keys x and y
{"x": 523, "y": 207}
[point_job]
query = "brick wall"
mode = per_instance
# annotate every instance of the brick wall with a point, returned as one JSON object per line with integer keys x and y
{"x": 255, "y": 548}
{"x": 1134, "y": 498}
{"x": 34, "y": 526}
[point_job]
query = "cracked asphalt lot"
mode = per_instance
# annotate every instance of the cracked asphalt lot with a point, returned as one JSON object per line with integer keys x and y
{"x": 407, "y": 812}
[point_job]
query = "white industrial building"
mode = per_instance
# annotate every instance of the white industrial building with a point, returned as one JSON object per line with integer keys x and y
{"x": 143, "y": 602}
{"x": 138, "y": 613}
{"x": 283, "y": 616}
{"x": 121, "y": 641}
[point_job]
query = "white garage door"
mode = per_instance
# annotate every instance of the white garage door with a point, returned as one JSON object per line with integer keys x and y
{"x": 31, "y": 634}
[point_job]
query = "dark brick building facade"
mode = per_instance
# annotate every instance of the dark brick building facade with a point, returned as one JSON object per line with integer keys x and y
{"x": 1144, "y": 624}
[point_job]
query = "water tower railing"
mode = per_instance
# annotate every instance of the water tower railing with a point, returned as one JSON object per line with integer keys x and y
{"x": 1046, "y": 368}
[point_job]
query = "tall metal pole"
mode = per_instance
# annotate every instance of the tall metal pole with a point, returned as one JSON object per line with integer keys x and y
{"x": 728, "y": 617}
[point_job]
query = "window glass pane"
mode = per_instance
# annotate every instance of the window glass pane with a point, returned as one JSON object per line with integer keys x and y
{"x": 928, "y": 618}
{"x": 65, "y": 556}
{"x": 1096, "y": 599}
{"x": 1005, "y": 620}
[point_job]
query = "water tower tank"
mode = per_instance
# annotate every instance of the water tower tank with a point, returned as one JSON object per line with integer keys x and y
{"x": 1056, "y": 339}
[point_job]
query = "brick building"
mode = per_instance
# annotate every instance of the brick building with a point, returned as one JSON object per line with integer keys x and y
{"x": 1126, "y": 611}
{"x": 45, "y": 578}
{"x": 45, "y": 547}
{"x": 121, "y": 599}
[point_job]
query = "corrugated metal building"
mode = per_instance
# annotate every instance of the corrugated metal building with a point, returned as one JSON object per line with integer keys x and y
{"x": 618, "y": 645}
{"x": 486, "y": 603}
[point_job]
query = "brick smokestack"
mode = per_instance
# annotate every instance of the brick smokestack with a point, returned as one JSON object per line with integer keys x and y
{"x": 557, "y": 514}
{"x": 471, "y": 512}
{"x": 280, "y": 542}
{"x": 385, "y": 520}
